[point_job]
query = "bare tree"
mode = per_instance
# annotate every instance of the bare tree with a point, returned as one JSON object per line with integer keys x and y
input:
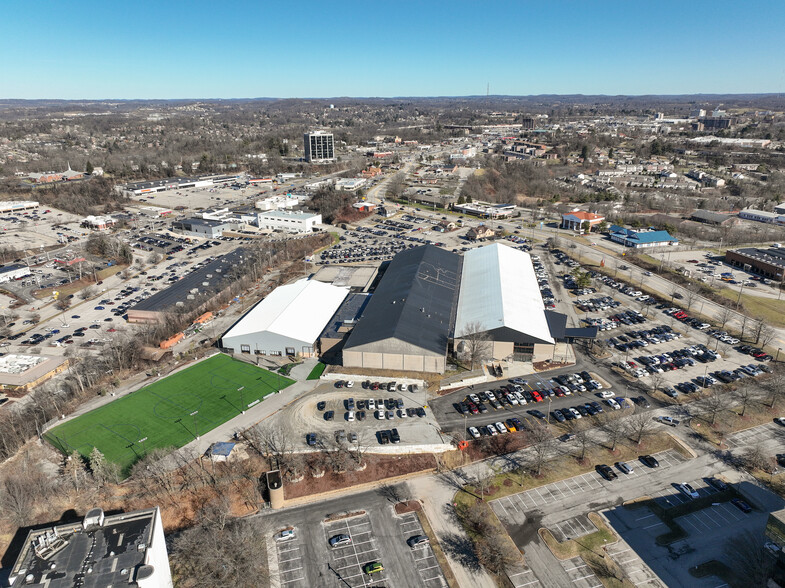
{"x": 767, "y": 334}
{"x": 657, "y": 381}
{"x": 273, "y": 442}
{"x": 757, "y": 329}
{"x": 744, "y": 395}
{"x": 496, "y": 552}
{"x": 215, "y": 552}
{"x": 690, "y": 296}
{"x": 724, "y": 316}
{"x": 75, "y": 471}
{"x": 639, "y": 426}
{"x": 746, "y": 555}
{"x": 775, "y": 387}
{"x": 714, "y": 403}
{"x": 613, "y": 427}
{"x": 756, "y": 458}
{"x": 583, "y": 439}
{"x": 540, "y": 444}
{"x": 476, "y": 345}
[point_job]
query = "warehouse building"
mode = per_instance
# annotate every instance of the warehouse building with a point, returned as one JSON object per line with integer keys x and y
{"x": 287, "y": 322}
{"x": 640, "y": 239}
{"x": 500, "y": 298}
{"x": 122, "y": 549}
{"x": 194, "y": 290}
{"x": 408, "y": 321}
{"x": 769, "y": 263}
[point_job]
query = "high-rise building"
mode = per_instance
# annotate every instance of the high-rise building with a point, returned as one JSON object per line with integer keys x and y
{"x": 125, "y": 549}
{"x": 319, "y": 147}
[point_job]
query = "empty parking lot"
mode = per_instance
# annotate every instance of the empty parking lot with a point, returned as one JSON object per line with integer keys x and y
{"x": 512, "y": 509}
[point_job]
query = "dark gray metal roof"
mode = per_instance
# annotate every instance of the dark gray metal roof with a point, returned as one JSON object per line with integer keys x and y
{"x": 773, "y": 255}
{"x": 350, "y": 310}
{"x": 710, "y": 216}
{"x": 557, "y": 323}
{"x": 581, "y": 333}
{"x": 414, "y": 302}
{"x": 214, "y": 273}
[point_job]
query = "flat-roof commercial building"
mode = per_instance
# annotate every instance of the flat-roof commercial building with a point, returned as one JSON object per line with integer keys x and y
{"x": 17, "y": 205}
{"x": 21, "y": 373}
{"x": 291, "y": 222}
{"x": 153, "y": 186}
{"x": 762, "y": 216}
{"x": 769, "y": 263}
{"x": 409, "y": 319}
{"x": 202, "y": 227}
{"x": 126, "y": 549}
{"x": 195, "y": 288}
{"x": 484, "y": 210}
{"x": 358, "y": 278}
{"x": 287, "y": 322}
{"x": 14, "y": 271}
{"x": 342, "y": 323}
{"x": 710, "y": 217}
{"x": 319, "y": 147}
{"x": 500, "y": 297}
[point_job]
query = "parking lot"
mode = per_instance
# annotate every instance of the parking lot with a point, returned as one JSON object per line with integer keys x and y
{"x": 580, "y": 573}
{"x": 513, "y": 509}
{"x": 770, "y": 435}
{"x": 311, "y": 414}
{"x": 572, "y": 528}
{"x": 633, "y": 566}
{"x": 377, "y": 535}
{"x": 709, "y": 531}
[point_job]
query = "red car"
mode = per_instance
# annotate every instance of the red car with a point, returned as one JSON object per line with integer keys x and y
{"x": 473, "y": 408}
{"x": 558, "y": 391}
{"x": 536, "y": 395}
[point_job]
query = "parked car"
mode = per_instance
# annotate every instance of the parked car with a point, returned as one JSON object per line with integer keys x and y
{"x": 741, "y": 505}
{"x": 373, "y": 568}
{"x": 310, "y": 438}
{"x": 340, "y": 540}
{"x": 666, "y": 420}
{"x": 474, "y": 432}
{"x": 285, "y": 535}
{"x": 417, "y": 541}
{"x": 606, "y": 472}
{"x": 650, "y": 461}
{"x": 687, "y": 490}
{"x": 627, "y": 469}
{"x": 717, "y": 484}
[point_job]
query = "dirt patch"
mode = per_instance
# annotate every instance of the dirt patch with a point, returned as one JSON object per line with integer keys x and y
{"x": 408, "y": 506}
{"x": 378, "y": 467}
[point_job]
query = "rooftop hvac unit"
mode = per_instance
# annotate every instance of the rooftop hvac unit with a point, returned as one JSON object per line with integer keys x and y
{"x": 194, "y": 290}
{"x": 190, "y": 297}
{"x": 205, "y": 284}
{"x": 179, "y": 303}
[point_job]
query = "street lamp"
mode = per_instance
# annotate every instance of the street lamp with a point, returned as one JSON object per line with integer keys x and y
{"x": 144, "y": 445}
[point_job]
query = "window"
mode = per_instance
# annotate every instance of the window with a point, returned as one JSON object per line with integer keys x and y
{"x": 290, "y": 351}
{"x": 245, "y": 349}
{"x": 276, "y": 353}
{"x": 260, "y": 352}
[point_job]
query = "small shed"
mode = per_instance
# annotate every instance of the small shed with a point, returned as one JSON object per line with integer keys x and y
{"x": 220, "y": 451}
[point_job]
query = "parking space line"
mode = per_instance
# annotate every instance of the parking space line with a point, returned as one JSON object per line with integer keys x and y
{"x": 576, "y": 567}
{"x": 582, "y": 578}
{"x": 654, "y": 525}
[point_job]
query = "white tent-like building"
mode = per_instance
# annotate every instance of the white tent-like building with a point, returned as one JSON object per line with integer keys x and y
{"x": 288, "y": 321}
{"x": 500, "y": 298}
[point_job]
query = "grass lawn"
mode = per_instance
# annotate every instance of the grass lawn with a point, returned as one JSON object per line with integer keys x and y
{"x": 316, "y": 372}
{"x": 219, "y": 388}
{"x": 768, "y": 309}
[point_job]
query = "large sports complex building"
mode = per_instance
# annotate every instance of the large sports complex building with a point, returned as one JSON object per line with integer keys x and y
{"x": 429, "y": 303}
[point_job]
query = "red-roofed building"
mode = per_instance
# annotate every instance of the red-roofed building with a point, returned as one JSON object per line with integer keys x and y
{"x": 575, "y": 220}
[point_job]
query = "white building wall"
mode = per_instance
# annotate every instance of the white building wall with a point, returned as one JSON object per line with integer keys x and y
{"x": 294, "y": 223}
{"x": 267, "y": 343}
{"x": 157, "y": 557}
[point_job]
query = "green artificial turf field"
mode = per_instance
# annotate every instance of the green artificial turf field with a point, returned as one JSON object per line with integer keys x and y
{"x": 218, "y": 388}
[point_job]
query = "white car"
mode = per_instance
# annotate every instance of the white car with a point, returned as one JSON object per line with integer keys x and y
{"x": 380, "y": 415}
{"x": 349, "y": 384}
{"x": 595, "y": 384}
{"x": 574, "y": 412}
{"x": 613, "y": 404}
{"x": 350, "y": 416}
{"x": 474, "y": 432}
{"x": 607, "y": 394}
{"x": 285, "y": 535}
{"x": 372, "y": 404}
{"x": 474, "y": 398}
{"x": 688, "y": 490}
{"x": 500, "y": 427}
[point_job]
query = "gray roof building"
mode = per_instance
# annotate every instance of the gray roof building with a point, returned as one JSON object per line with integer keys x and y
{"x": 409, "y": 318}
{"x": 710, "y": 217}
{"x": 200, "y": 285}
{"x": 126, "y": 549}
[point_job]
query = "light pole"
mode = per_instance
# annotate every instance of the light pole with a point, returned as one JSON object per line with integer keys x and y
{"x": 242, "y": 404}
{"x": 144, "y": 444}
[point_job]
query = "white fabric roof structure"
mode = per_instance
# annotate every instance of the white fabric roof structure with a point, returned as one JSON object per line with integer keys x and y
{"x": 297, "y": 311}
{"x": 499, "y": 289}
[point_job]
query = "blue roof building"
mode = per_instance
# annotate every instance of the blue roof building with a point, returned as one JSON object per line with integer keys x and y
{"x": 641, "y": 238}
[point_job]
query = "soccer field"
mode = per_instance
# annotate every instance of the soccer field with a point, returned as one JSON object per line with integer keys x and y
{"x": 170, "y": 412}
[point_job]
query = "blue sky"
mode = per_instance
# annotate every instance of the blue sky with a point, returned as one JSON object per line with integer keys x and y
{"x": 242, "y": 49}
